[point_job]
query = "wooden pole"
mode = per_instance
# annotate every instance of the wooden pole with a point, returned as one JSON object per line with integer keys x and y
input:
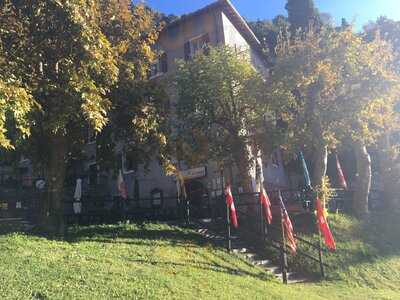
{"x": 262, "y": 223}
{"x": 228, "y": 218}
{"x": 228, "y": 223}
{"x": 283, "y": 248}
{"x": 321, "y": 262}
{"x": 187, "y": 211}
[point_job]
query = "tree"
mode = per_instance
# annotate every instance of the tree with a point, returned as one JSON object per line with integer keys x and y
{"x": 138, "y": 118}
{"x": 74, "y": 57}
{"x": 388, "y": 30}
{"x": 68, "y": 65}
{"x": 220, "y": 104}
{"x": 302, "y": 14}
{"x": 16, "y": 101}
{"x": 331, "y": 85}
{"x": 268, "y": 32}
{"x": 388, "y": 146}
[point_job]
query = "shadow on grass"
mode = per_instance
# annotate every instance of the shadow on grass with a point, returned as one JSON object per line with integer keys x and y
{"x": 140, "y": 234}
{"x": 137, "y": 235}
{"x": 148, "y": 235}
{"x": 213, "y": 266}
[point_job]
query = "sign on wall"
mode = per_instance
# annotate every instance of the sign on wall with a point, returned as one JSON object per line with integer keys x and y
{"x": 194, "y": 173}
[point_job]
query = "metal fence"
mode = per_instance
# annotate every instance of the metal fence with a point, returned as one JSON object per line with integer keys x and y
{"x": 254, "y": 228}
{"x": 98, "y": 205}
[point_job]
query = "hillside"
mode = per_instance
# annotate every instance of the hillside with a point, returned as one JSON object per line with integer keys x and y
{"x": 159, "y": 261}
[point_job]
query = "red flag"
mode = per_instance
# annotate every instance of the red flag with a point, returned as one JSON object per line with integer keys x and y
{"x": 287, "y": 226}
{"x": 231, "y": 205}
{"x": 266, "y": 204}
{"x": 324, "y": 227}
{"x": 342, "y": 179}
{"x": 121, "y": 186}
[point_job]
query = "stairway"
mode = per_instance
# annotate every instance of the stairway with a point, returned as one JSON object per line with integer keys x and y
{"x": 242, "y": 248}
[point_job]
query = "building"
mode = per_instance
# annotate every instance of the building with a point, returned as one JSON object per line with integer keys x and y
{"x": 216, "y": 24}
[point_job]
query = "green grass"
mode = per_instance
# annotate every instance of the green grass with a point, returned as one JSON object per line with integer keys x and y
{"x": 158, "y": 261}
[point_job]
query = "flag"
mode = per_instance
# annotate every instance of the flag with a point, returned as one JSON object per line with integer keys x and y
{"x": 266, "y": 204}
{"x": 342, "y": 179}
{"x": 231, "y": 206}
{"x": 78, "y": 190}
{"x": 121, "y": 186}
{"x": 77, "y": 206}
{"x": 180, "y": 185}
{"x": 287, "y": 226}
{"x": 324, "y": 227}
{"x": 305, "y": 170}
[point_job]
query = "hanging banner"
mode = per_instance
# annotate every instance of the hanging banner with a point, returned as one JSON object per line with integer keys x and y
{"x": 194, "y": 173}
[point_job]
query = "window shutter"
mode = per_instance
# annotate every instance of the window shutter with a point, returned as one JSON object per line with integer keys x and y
{"x": 206, "y": 44}
{"x": 187, "y": 50}
{"x": 164, "y": 63}
{"x": 205, "y": 39}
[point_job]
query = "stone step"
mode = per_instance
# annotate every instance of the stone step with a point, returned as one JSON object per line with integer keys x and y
{"x": 292, "y": 278}
{"x": 298, "y": 280}
{"x": 250, "y": 255}
{"x": 262, "y": 262}
{"x": 239, "y": 244}
{"x": 239, "y": 250}
{"x": 210, "y": 234}
{"x": 279, "y": 274}
{"x": 241, "y": 247}
{"x": 205, "y": 221}
{"x": 274, "y": 269}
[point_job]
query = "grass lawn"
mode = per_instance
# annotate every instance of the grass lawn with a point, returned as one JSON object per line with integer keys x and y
{"x": 158, "y": 261}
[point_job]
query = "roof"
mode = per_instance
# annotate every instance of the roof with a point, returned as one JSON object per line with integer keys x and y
{"x": 233, "y": 16}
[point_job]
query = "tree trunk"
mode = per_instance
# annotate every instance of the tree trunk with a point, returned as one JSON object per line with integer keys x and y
{"x": 242, "y": 157}
{"x": 53, "y": 206}
{"x": 320, "y": 147}
{"x": 389, "y": 173}
{"x": 363, "y": 186}
{"x": 320, "y": 165}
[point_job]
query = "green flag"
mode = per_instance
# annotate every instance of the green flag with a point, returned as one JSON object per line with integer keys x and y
{"x": 305, "y": 170}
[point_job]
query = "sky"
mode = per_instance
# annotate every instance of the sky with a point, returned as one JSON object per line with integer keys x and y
{"x": 357, "y": 11}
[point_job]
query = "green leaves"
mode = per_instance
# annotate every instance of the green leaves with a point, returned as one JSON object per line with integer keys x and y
{"x": 15, "y": 105}
{"x": 220, "y": 100}
{"x": 329, "y": 84}
{"x": 77, "y": 64}
{"x": 59, "y": 54}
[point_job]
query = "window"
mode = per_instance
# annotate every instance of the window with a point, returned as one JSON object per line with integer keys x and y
{"x": 93, "y": 174}
{"x": 196, "y": 45}
{"x": 91, "y": 135}
{"x": 160, "y": 66}
{"x": 164, "y": 63}
{"x": 128, "y": 164}
{"x": 173, "y": 31}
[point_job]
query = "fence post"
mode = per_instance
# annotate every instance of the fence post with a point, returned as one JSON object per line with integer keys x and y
{"x": 283, "y": 253}
{"x": 262, "y": 223}
{"x": 228, "y": 222}
{"x": 266, "y": 227}
{"x": 187, "y": 208}
{"x": 228, "y": 219}
{"x": 321, "y": 263}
